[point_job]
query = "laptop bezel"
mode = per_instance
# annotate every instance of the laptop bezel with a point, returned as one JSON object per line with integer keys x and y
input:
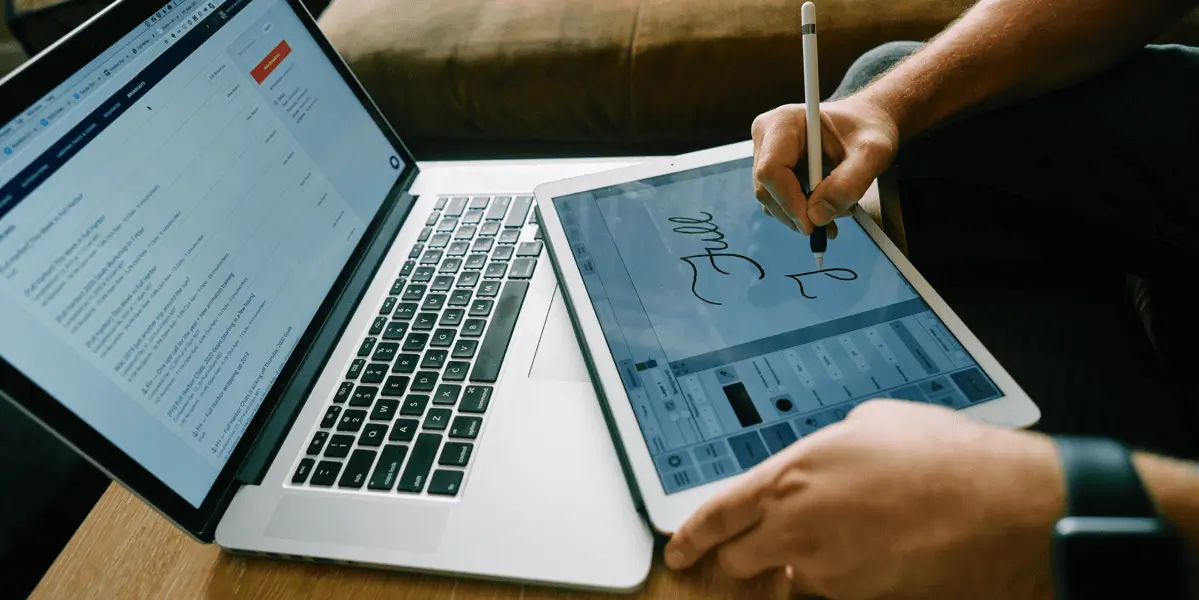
{"x": 38, "y": 76}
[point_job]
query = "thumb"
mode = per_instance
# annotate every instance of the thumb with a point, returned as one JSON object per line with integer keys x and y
{"x": 844, "y": 186}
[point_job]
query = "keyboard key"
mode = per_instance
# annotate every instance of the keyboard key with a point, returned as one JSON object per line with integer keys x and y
{"x": 442, "y": 338}
{"x": 439, "y": 240}
{"x": 405, "y": 310}
{"x": 434, "y": 359}
{"x": 414, "y": 292}
{"x": 372, "y": 435}
{"x": 488, "y": 289}
{"x": 364, "y": 395}
{"x": 456, "y": 206}
{"x": 415, "y": 342}
{"x": 522, "y": 268}
{"x": 458, "y": 249}
{"x": 433, "y": 302}
{"x": 424, "y": 234}
{"x": 421, "y": 275}
{"x": 499, "y": 207}
{"x": 475, "y": 261}
{"x": 445, "y": 482}
{"x": 437, "y": 419}
{"x": 495, "y": 270}
{"x": 481, "y": 307}
{"x": 395, "y": 385}
{"x": 529, "y": 249}
{"x": 533, "y": 219}
{"x": 343, "y": 392}
{"x": 414, "y": 405}
{"x": 318, "y": 443}
{"x": 451, "y": 265}
{"x": 447, "y": 394}
{"x": 465, "y": 348}
{"x": 425, "y": 321}
{"x": 460, "y": 297}
{"x": 489, "y": 228}
{"x": 503, "y": 321}
{"x": 519, "y": 211}
{"x": 537, "y": 236}
{"x": 466, "y": 428}
{"x": 483, "y": 244}
{"x": 356, "y": 469}
{"x": 325, "y": 473}
{"x": 441, "y": 202}
{"x": 386, "y": 351}
{"x": 431, "y": 257}
{"x": 509, "y": 236}
{"x": 303, "y": 470}
{"x": 424, "y": 452}
{"x": 355, "y": 368}
{"x": 456, "y": 371}
{"x": 424, "y": 381}
{"x": 473, "y": 327}
{"x": 475, "y": 399}
{"x": 468, "y": 279}
{"x": 442, "y": 283}
{"x": 432, "y": 218}
{"x": 452, "y": 316}
{"x": 502, "y": 253}
{"x": 388, "y": 305}
{"x": 397, "y": 286}
{"x": 364, "y": 349}
{"x": 385, "y": 409}
{"x": 455, "y": 454}
{"x": 331, "y": 416}
{"x": 375, "y": 373}
{"x": 478, "y": 202}
{"x": 339, "y": 446}
{"x": 395, "y": 330}
{"x": 465, "y": 232}
{"x": 377, "y": 325}
{"x": 405, "y": 363}
{"x": 403, "y": 430}
{"x": 351, "y": 420}
{"x": 472, "y": 217}
{"x": 388, "y": 468}
{"x": 416, "y": 250}
{"x": 447, "y": 224}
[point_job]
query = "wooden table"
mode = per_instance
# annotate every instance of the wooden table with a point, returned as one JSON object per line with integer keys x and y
{"x": 126, "y": 550}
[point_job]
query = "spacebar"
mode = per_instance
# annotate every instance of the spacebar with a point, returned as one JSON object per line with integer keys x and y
{"x": 499, "y": 332}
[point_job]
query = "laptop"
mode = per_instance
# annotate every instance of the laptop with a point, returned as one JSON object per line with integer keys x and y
{"x": 226, "y": 282}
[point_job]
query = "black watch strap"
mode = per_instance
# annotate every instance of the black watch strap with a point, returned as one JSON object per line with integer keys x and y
{"x": 1101, "y": 480}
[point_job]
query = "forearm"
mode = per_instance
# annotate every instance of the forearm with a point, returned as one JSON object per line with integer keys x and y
{"x": 1000, "y": 51}
{"x": 1174, "y": 486}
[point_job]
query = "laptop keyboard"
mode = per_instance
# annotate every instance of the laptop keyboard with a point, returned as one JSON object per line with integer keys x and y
{"x": 408, "y": 414}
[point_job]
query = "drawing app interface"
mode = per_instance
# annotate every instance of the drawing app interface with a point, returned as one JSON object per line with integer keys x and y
{"x": 730, "y": 342}
{"x": 172, "y": 217}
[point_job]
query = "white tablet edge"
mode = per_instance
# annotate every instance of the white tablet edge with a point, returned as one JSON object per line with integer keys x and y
{"x": 667, "y": 512}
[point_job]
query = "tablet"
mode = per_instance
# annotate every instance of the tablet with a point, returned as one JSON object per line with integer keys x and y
{"x": 713, "y": 340}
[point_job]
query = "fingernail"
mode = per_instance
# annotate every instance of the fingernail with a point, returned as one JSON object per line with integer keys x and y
{"x": 674, "y": 559}
{"x": 823, "y": 212}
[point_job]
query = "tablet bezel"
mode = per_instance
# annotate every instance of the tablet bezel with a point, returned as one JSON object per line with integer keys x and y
{"x": 667, "y": 512}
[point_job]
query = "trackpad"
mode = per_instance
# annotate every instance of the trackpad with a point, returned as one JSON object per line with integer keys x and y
{"x": 364, "y": 522}
{"x": 558, "y": 355}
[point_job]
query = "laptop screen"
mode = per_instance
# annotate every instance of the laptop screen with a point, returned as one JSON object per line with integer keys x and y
{"x": 171, "y": 218}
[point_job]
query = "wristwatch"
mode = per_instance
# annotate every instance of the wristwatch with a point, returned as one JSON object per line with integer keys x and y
{"x": 1111, "y": 543}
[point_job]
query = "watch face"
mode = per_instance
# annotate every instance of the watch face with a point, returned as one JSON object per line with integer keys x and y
{"x": 1118, "y": 558}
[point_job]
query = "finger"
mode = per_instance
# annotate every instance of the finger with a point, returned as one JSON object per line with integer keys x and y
{"x": 777, "y": 154}
{"x": 844, "y": 186}
{"x": 750, "y": 554}
{"x": 831, "y": 230}
{"x": 723, "y": 517}
{"x": 772, "y": 207}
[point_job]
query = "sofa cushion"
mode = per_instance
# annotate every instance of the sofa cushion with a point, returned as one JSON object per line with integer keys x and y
{"x": 623, "y": 71}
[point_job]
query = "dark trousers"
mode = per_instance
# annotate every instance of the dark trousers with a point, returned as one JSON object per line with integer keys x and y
{"x": 1065, "y": 232}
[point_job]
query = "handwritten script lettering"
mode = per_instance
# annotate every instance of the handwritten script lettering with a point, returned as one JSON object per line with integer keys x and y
{"x": 839, "y": 274}
{"x": 714, "y": 250}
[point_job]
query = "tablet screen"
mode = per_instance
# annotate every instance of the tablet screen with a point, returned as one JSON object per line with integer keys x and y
{"x": 730, "y": 342}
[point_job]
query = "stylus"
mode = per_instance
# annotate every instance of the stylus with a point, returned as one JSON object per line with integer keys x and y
{"x": 811, "y": 92}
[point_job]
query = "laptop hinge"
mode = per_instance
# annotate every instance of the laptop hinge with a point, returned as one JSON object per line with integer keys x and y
{"x": 262, "y": 453}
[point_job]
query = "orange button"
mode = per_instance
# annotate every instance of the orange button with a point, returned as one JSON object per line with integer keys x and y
{"x": 272, "y": 60}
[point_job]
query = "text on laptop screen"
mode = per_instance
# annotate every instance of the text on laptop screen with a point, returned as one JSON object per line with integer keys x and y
{"x": 172, "y": 217}
{"x": 729, "y": 341}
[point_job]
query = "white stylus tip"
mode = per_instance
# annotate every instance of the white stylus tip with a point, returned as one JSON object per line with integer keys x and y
{"x": 819, "y": 261}
{"x": 807, "y": 14}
